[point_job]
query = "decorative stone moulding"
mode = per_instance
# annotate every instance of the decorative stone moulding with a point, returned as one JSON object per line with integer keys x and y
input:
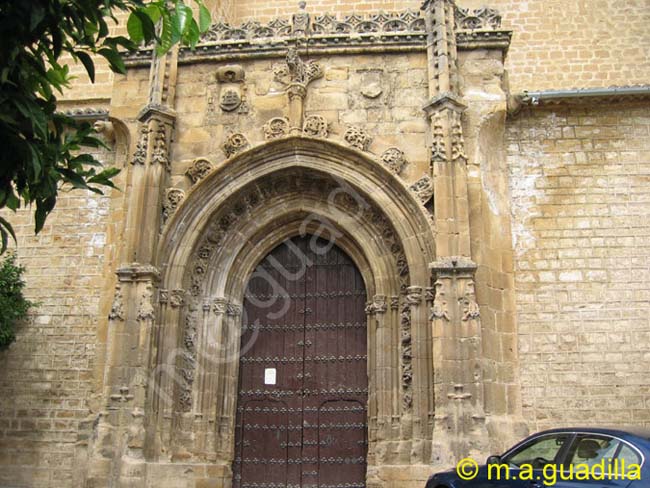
{"x": 235, "y": 143}
{"x": 395, "y": 31}
{"x": 394, "y": 159}
{"x": 357, "y": 137}
{"x": 315, "y": 126}
{"x": 199, "y": 169}
{"x": 480, "y": 19}
{"x": 87, "y": 113}
{"x": 423, "y": 189}
{"x": 276, "y": 128}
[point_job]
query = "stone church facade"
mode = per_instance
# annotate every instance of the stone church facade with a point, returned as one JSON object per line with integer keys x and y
{"x": 486, "y": 272}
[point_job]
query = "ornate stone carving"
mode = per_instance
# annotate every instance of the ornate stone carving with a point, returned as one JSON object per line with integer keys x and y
{"x": 300, "y": 20}
{"x": 407, "y": 357}
{"x": 234, "y": 144}
{"x": 232, "y": 73}
{"x": 394, "y": 159}
{"x": 414, "y": 295}
{"x": 423, "y": 188}
{"x": 199, "y": 169}
{"x": 230, "y": 99}
{"x": 377, "y": 305}
{"x": 233, "y": 310}
{"x": 468, "y": 303}
{"x": 440, "y": 308}
{"x": 439, "y": 146}
{"x": 188, "y": 362}
{"x": 457, "y": 139}
{"x": 394, "y": 302}
{"x": 145, "y": 308}
{"x": 276, "y": 128}
{"x": 140, "y": 154}
{"x": 177, "y": 298}
{"x": 407, "y": 22}
{"x": 315, "y": 126}
{"x": 163, "y": 295}
{"x": 299, "y": 71}
{"x": 117, "y": 309}
{"x": 173, "y": 198}
{"x": 219, "y": 306}
{"x": 160, "y": 155}
{"x": 482, "y": 18}
{"x": 429, "y": 294}
{"x": 105, "y": 129}
{"x": 357, "y": 137}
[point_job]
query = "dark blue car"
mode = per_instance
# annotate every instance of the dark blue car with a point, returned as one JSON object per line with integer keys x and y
{"x": 561, "y": 458}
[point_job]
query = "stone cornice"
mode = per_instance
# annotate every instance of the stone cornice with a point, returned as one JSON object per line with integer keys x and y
{"x": 329, "y": 35}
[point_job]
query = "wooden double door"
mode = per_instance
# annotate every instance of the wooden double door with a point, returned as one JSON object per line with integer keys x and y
{"x": 303, "y": 383}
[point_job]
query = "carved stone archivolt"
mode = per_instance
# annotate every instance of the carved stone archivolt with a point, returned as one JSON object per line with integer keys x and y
{"x": 394, "y": 159}
{"x": 235, "y": 143}
{"x": 423, "y": 189}
{"x": 315, "y": 126}
{"x": 276, "y": 128}
{"x": 249, "y": 202}
{"x": 357, "y": 137}
{"x": 173, "y": 198}
{"x": 199, "y": 169}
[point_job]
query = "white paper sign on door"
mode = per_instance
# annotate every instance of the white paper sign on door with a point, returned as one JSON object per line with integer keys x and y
{"x": 270, "y": 376}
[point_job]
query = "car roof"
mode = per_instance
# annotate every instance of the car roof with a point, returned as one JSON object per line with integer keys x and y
{"x": 620, "y": 431}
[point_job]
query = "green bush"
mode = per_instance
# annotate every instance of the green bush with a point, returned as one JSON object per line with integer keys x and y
{"x": 13, "y": 305}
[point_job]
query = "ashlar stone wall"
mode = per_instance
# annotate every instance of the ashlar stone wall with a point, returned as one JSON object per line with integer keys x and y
{"x": 580, "y": 183}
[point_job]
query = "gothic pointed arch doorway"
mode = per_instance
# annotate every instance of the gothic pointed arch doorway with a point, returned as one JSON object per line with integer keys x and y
{"x": 303, "y": 379}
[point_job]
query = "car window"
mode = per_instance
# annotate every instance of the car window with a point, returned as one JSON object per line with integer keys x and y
{"x": 591, "y": 450}
{"x": 629, "y": 455}
{"x": 539, "y": 451}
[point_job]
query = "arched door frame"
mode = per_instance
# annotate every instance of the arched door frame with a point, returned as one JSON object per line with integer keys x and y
{"x": 225, "y": 226}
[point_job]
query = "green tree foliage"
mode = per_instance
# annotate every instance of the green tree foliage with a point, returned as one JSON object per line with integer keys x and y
{"x": 13, "y": 305}
{"x": 40, "y": 149}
